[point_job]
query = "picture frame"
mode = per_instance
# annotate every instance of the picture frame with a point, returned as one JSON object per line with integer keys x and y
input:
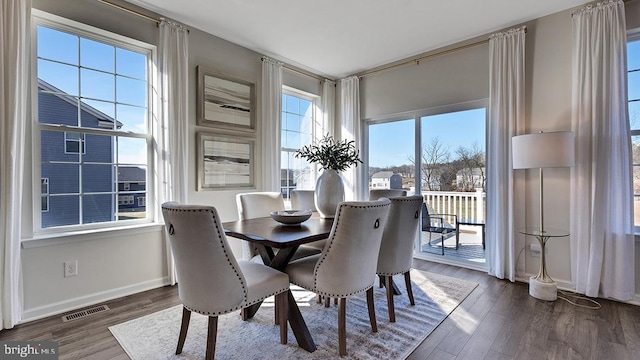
{"x": 224, "y": 101}
{"x": 225, "y": 162}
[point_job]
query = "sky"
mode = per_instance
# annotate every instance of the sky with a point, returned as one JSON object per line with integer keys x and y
{"x": 390, "y": 144}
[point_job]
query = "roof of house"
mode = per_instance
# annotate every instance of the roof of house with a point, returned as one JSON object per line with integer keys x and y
{"x": 131, "y": 174}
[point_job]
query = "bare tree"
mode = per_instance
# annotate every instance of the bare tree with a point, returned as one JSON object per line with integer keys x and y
{"x": 434, "y": 156}
{"x": 472, "y": 167}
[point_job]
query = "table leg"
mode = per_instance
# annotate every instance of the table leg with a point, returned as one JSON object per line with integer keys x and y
{"x": 299, "y": 327}
{"x": 279, "y": 261}
{"x": 396, "y": 290}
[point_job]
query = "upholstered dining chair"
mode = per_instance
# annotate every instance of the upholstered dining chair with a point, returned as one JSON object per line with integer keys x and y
{"x": 396, "y": 249}
{"x": 254, "y": 205}
{"x": 303, "y": 200}
{"x": 375, "y": 194}
{"x": 261, "y": 204}
{"x": 347, "y": 264}
{"x": 210, "y": 280}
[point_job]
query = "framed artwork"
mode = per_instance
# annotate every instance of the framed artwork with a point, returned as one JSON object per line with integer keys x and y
{"x": 224, "y": 101}
{"x": 225, "y": 162}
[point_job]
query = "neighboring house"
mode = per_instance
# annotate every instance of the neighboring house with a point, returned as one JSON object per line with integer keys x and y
{"x": 470, "y": 179}
{"x": 381, "y": 180}
{"x": 132, "y": 184}
{"x": 62, "y": 155}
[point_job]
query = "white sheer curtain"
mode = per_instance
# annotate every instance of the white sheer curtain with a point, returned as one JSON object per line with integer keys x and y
{"x": 602, "y": 241}
{"x": 270, "y": 126}
{"x": 15, "y": 19}
{"x": 328, "y": 107}
{"x": 350, "y": 130}
{"x": 505, "y": 188}
{"x": 172, "y": 127}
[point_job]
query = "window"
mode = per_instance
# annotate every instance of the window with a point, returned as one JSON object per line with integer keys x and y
{"x": 298, "y": 123}
{"x": 44, "y": 194}
{"x": 91, "y": 129}
{"x": 633, "y": 77}
{"x": 73, "y": 142}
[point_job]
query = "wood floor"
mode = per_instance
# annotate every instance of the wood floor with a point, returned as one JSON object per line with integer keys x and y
{"x": 498, "y": 321}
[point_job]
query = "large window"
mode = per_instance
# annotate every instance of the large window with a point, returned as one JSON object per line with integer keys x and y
{"x": 298, "y": 124}
{"x": 91, "y": 131}
{"x": 633, "y": 66}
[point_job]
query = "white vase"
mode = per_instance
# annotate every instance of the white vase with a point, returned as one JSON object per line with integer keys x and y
{"x": 329, "y": 193}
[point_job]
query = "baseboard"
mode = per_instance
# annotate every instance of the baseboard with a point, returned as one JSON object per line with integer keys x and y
{"x": 92, "y": 299}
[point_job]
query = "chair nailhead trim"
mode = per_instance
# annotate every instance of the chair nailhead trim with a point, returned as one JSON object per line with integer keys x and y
{"x": 244, "y": 303}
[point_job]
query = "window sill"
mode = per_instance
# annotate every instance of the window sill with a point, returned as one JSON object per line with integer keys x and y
{"x": 85, "y": 235}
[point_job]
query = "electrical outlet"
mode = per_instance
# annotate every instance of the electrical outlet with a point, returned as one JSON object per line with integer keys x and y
{"x": 535, "y": 250}
{"x": 70, "y": 268}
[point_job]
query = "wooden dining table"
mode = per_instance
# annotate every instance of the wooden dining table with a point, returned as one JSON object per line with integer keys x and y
{"x": 268, "y": 236}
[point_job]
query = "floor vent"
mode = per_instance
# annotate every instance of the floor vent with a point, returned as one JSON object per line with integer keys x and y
{"x": 85, "y": 313}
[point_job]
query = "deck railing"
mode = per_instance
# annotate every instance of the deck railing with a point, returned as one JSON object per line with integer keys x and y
{"x": 466, "y": 205}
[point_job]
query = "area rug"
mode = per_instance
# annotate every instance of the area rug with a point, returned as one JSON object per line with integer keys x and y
{"x": 155, "y": 336}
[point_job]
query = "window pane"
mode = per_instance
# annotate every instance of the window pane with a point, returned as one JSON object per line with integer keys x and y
{"x": 293, "y": 122}
{"x": 633, "y": 55}
{"x": 634, "y": 85}
{"x": 52, "y": 146}
{"x": 104, "y": 110}
{"x": 57, "y": 109}
{"x": 64, "y": 178}
{"x": 130, "y": 91}
{"x": 132, "y": 118}
{"x": 634, "y": 114}
{"x": 97, "y": 85}
{"x": 292, "y": 104}
{"x": 57, "y": 45}
{"x": 98, "y": 178}
{"x": 132, "y": 151}
{"x": 58, "y": 77}
{"x": 454, "y": 160}
{"x": 391, "y": 152}
{"x": 130, "y": 63}
{"x": 99, "y": 149}
{"x": 97, "y": 55}
{"x": 305, "y": 107}
{"x": 98, "y": 208}
{"x": 63, "y": 210}
{"x": 133, "y": 206}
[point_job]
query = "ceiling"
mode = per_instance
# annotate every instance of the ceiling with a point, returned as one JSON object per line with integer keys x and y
{"x": 337, "y": 38}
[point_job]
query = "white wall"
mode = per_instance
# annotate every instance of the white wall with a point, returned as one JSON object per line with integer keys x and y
{"x": 111, "y": 265}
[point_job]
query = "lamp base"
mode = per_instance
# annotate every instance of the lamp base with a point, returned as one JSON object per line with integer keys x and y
{"x": 543, "y": 290}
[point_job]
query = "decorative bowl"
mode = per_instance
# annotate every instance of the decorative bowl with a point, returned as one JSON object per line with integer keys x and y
{"x": 291, "y": 217}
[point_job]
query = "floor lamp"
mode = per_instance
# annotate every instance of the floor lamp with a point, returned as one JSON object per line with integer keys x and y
{"x": 539, "y": 151}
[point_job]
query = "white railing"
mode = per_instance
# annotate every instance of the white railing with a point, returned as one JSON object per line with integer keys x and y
{"x": 466, "y": 205}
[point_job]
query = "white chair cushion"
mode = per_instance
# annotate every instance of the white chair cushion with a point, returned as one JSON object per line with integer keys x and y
{"x": 262, "y": 281}
{"x": 301, "y": 272}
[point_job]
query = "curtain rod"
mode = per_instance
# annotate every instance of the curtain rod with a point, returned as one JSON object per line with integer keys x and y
{"x": 420, "y": 58}
{"x": 120, "y": 7}
{"x": 284, "y": 66}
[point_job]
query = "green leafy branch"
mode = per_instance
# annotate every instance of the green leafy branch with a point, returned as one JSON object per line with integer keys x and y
{"x": 331, "y": 154}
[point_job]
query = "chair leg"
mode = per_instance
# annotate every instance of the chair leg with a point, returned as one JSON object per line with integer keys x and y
{"x": 342, "y": 326}
{"x": 276, "y": 309}
{"x": 380, "y": 281}
{"x": 372, "y": 310}
{"x": 407, "y": 282}
{"x": 335, "y": 301}
{"x": 211, "y": 338}
{"x": 186, "y": 316}
{"x": 318, "y": 299}
{"x": 327, "y": 301}
{"x": 390, "y": 304}
{"x": 283, "y": 305}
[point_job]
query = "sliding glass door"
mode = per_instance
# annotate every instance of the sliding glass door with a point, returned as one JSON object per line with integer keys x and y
{"x": 439, "y": 154}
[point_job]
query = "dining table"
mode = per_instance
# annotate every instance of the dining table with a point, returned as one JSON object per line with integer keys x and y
{"x": 277, "y": 243}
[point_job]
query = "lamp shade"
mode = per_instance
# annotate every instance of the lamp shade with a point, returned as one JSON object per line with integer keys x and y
{"x": 543, "y": 150}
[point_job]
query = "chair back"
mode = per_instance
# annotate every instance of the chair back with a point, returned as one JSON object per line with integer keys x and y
{"x": 210, "y": 280}
{"x": 258, "y": 204}
{"x": 396, "y": 249}
{"x": 303, "y": 200}
{"x": 375, "y": 194}
{"x": 348, "y": 262}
